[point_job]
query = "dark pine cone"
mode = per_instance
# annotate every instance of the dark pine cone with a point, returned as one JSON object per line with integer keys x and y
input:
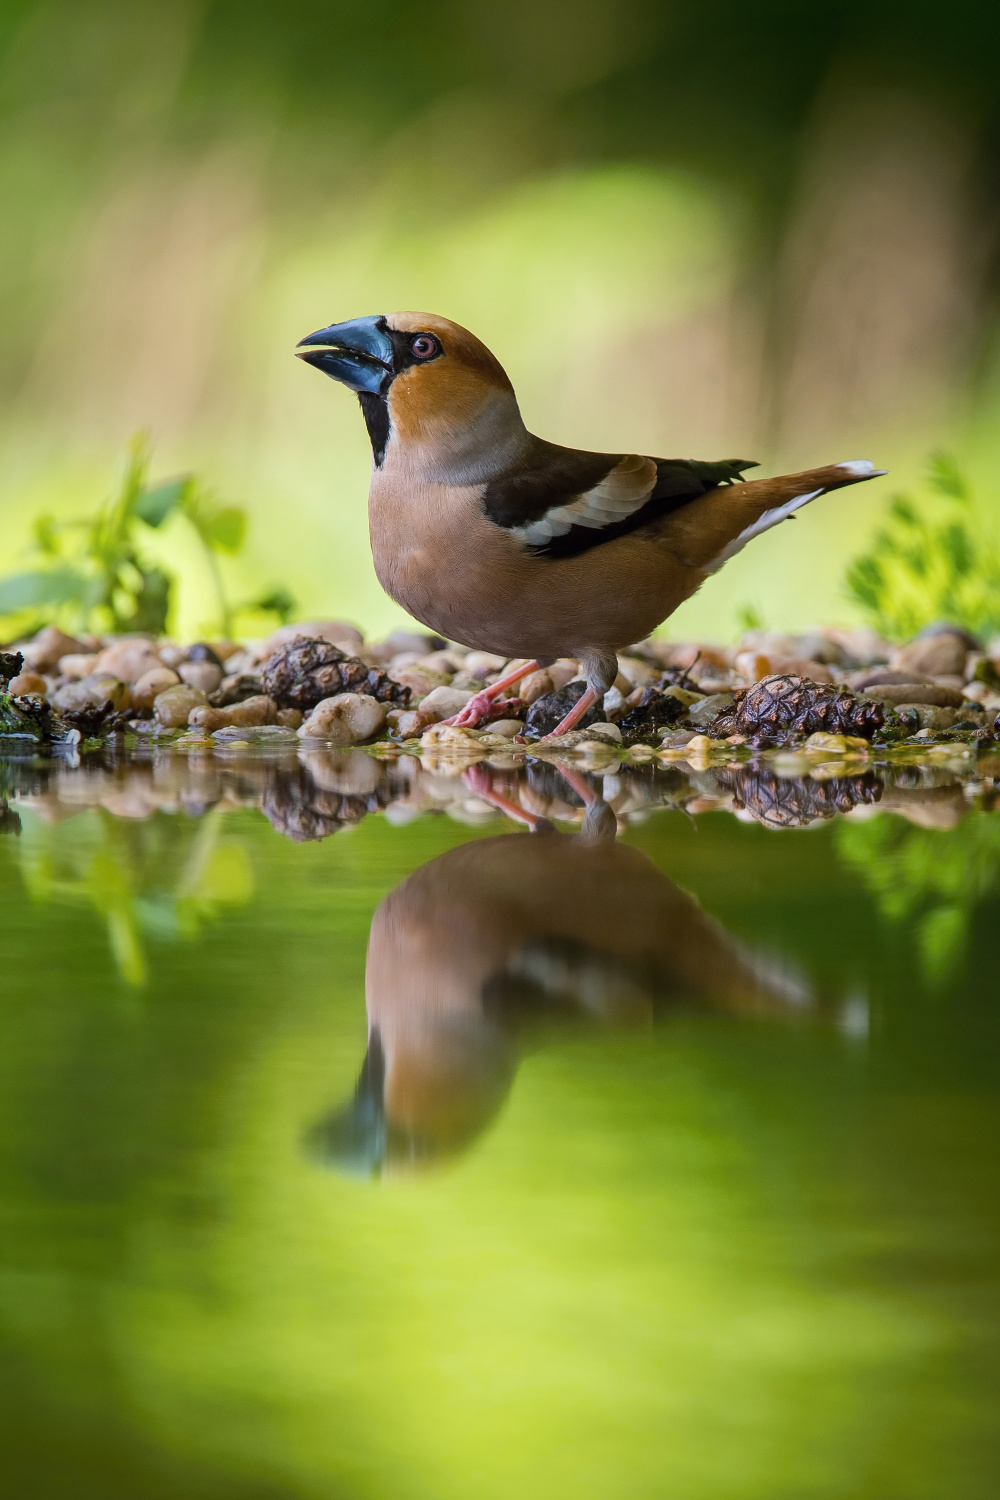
{"x": 304, "y": 672}
{"x": 791, "y": 803}
{"x": 655, "y": 712}
{"x": 783, "y": 708}
{"x": 11, "y": 663}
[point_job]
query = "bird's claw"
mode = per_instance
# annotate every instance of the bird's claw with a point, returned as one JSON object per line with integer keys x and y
{"x": 475, "y": 712}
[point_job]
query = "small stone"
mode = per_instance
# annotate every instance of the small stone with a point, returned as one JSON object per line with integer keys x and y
{"x": 335, "y": 632}
{"x": 442, "y": 703}
{"x": 917, "y": 692}
{"x": 700, "y": 744}
{"x": 409, "y": 723}
{"x": 420, "y": 680}
{"x": 204, "y": 675}
{"x": 934, "y": 655}
{"x": 259, "y": 710}
{"x": 172, "y": 707}
{"x": 44, "y": 650}
{"x": 482, "y": 663}
{"x": 835, "y": 744}
{"x": 536, "y": 685}
{"x": 78, "y": 664}
{"x": 546, "y": 713}
{"x": 702, "y": 713}
{"x": 289, "y": 718}
{"x": 128, "y": 660}
{"x": 28, "y": 682}
{"x": 931, "y": 717}
{"x": 91, "y": 692}
{"x": 148, "y": 688}
{"x": 507, "y": 728}
{"x": 346, "y": 719}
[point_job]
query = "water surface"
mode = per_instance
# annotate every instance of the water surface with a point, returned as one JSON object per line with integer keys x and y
{"x": 671, "y": 1170}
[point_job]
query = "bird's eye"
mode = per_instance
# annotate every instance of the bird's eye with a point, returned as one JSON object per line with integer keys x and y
{"x": 424, "y": 346}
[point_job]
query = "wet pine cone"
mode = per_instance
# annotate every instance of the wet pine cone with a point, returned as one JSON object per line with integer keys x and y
{"x": 791, "y": 803}
{"x": 655, "y": 712}
{"x": 304, "y": 672}
{"x": 783, "y": 708}
{"x": 90, "y": 718}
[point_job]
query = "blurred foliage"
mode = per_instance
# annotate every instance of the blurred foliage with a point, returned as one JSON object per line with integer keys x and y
{"x": 160, "y": 878}
{"x": 928, "y": 879}
{"x": 93, "y": 574}
{"x": 931, "y": 561}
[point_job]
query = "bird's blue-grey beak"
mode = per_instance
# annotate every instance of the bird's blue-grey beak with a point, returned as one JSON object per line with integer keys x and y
{"x": 358, "y": 353}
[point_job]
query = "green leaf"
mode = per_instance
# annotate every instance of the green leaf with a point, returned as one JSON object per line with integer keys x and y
{"x": 154, "y": 506}
{"x": 281, "y": 603}
{"x": 945, "y": 476}
{"x": 58, "y": 586}
{"x": 225, "y": 529}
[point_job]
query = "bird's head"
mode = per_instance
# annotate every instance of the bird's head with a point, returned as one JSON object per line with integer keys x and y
{"x": 425, "y": 384}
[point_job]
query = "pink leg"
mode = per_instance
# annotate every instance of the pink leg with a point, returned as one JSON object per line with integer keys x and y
{"x": 576, "y": 713}
{"x": 478, "y": 780}
{"x": 478, "y": 706}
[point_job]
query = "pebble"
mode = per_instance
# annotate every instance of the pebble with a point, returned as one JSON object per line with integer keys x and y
{"x": 549, "y": 711}
{"x": 506, "y": 729}
{"x": 78, "y": 664}
{"x": 128, "y": 660}
{"x": 442, "y": 702}
{"x": 337, "y": 632}
{"x": 148, "y": 688}
{"x": 705, "y": 710}
{"x": 205, "y": 675}
{"x": 259, "y": 710}
{"x": 420, "y": 680}
{"x": 346, "y": 719}
{"x": 932, "y": 717}
{"x": 934, "y": 655}
{"x": 93, "y": 690}
{"x": 409, "y": 723}
{"x": 28, "y": 682}
{"x": 44, "y": 651}
{"x": 836, "y": 744}
{"x": 917, "y": 692}
{"x": 172, "y": 707}
{"x": 482, "y": 663}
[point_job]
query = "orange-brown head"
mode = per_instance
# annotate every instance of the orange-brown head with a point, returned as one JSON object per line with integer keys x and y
{"x": 428, "y": 387}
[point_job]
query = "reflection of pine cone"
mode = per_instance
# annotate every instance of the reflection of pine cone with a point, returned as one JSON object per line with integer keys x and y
{"x": 783, "y": 708}
{"x": 300, "y": 810}
{"x": 304, "y": 672}
{"x": 791, "y": 803}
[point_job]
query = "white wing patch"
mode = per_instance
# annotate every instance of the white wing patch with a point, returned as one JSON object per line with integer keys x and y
{"x": 618, "y": 495}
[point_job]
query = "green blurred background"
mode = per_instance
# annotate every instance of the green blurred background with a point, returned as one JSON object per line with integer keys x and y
{"x": 702, "y": 229}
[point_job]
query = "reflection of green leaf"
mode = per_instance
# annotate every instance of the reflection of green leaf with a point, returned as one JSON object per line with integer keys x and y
{"x": 941, "y": 936}
{"x": 929, "y": 877}
{"x": 154, "y": 506}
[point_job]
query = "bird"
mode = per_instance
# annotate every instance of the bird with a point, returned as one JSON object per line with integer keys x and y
{"x": 493, "y": 946}
{"x": 504, "y": 542}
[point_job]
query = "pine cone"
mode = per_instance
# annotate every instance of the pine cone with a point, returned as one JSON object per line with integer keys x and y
{"x": 782, "y": 802}
{"x": 783, "y": 708}
{"x": 304, "y": 672}
{"x": 89, "y": 718}
{"x": 654, "y": 713}
{"x": 11, "y": 663}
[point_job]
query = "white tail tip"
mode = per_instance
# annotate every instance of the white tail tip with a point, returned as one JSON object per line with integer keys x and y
{"x": 861, "y": 468}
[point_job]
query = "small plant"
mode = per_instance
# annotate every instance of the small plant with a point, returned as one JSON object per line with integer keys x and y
{"x": 92, "y": 572}
{"x": 930, "y": 563}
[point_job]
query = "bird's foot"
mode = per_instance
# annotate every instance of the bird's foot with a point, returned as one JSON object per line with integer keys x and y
{"x": 475, "y": 712}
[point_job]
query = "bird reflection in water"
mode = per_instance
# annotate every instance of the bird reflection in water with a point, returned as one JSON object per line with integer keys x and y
{"x": 495, "y": 947}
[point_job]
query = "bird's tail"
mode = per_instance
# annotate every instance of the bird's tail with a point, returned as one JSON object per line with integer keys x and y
{"x": 715, "y": 527}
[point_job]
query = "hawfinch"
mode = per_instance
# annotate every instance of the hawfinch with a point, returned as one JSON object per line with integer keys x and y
{"x": 488, "y": 944}
{"x": 507, "y": 543}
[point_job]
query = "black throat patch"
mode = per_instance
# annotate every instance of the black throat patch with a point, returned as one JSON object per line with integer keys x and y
{"x": 375, "y": 410}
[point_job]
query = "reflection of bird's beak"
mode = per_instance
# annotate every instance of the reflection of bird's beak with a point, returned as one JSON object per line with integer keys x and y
{"x": 358, "y": 353}
{"x": 354, "y": 1138}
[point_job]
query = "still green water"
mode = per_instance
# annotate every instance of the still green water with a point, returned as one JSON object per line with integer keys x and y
{"x": 704, "y": 1253}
